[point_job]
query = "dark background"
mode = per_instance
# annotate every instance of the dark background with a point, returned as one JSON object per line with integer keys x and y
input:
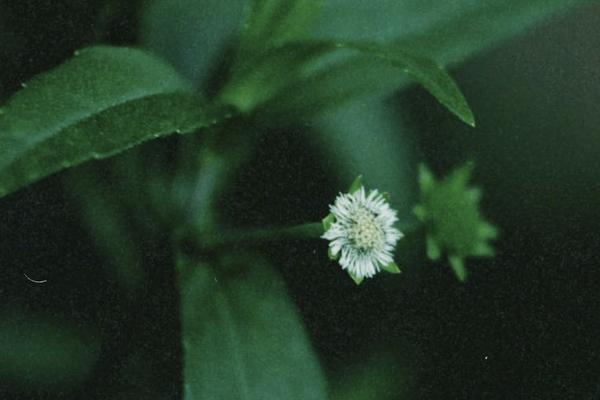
{"x": 524, "y": 326}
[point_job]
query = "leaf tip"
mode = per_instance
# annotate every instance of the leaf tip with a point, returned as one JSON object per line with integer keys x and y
{"x": 467, "y": 116}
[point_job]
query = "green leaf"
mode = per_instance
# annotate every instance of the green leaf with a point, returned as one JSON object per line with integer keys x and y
{"x": 242, "y": 337}
{"x": 287, "y": 79}
{"x": 331, "y": 84}
{"x": 99, "y": 103}
{"x": 426, "y": 72}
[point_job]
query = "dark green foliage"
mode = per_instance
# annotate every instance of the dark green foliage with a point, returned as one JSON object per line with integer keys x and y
{"x": 322, "y": 65}
{"x": 39, "y": 351}
{"x": 241, "y": 336}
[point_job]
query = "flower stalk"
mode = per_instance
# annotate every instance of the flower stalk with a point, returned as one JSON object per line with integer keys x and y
{"x": 210, "y": 241}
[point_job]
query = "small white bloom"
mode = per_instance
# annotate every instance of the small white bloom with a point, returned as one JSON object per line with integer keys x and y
{"x": 363, "y": 232}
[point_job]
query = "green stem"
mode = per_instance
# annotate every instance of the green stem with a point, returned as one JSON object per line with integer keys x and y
{"x": 206, "y": 242}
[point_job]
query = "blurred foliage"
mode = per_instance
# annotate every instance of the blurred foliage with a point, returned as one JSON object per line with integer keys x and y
{"x": 41, "y": 352}
{"x": 371, "y": 376}
{"x": 241, "y": 335}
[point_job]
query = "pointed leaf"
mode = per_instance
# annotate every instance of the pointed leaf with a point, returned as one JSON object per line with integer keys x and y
{"x": 324, "y": 81}
{"x": 426, "y": 72}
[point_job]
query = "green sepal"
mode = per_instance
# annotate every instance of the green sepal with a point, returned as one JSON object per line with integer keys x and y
{"x": 483, "y": 250}
{"x": 392, "y": 268}
{"x": 386, "y": 196}
{"x": 356, "y": 279}
{"x": 328, "y": 221}
{"x": 458, "y": 265}
{"x": 433, "y": 250}
{"x": 488, "y": 231}
{"x": 426, "y": 178}
{"x": 356, "y": 185}
{"x": 420, "y": 212}
{"x": 331, "y": 256}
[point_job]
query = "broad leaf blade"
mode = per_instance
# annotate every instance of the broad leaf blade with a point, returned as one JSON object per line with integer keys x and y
{"x": 242, "y": 337}
{"x": 99, "y": 103}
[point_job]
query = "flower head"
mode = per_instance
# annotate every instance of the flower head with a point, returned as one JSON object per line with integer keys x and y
{"x": 450, "y": 210}
{"x": 361, "y": 232}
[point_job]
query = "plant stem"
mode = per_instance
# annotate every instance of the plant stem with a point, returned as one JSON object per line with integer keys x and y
{"x": 208, "y": 241}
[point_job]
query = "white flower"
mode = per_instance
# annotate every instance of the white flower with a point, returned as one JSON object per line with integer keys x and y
{"x": 363, "y": 232}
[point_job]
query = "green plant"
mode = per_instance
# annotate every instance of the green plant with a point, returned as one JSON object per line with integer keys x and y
{"x": 279, "y": 71}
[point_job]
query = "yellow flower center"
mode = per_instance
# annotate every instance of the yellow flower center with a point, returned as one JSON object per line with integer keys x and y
{"x": 364, "y": 233}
